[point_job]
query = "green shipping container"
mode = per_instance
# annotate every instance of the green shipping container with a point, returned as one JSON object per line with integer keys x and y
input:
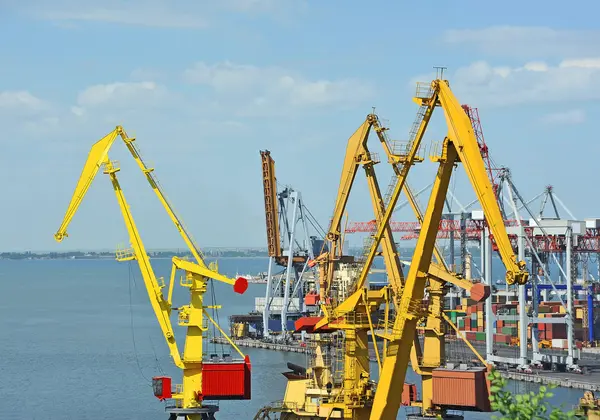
{"x": 461, "y": 323}
{"x": 480, "y": 336}
{"x": 510, "y": 330}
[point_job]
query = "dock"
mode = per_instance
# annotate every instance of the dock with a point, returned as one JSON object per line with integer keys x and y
{"x": 257, "y": 344}
{"x": 563, "y": 380}
{"x": 589, "y": 382}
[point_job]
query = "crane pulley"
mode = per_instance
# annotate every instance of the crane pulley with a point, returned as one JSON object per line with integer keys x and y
{"x": 202, "y": 379}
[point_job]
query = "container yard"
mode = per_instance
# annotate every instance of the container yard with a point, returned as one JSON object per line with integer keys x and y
{"x": 395, "y": 263}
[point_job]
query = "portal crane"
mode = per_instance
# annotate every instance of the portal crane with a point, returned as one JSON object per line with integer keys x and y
{"x": 354, "y": 398}
{"x": 202, "y": 380}
{"x": 460, "y": 145}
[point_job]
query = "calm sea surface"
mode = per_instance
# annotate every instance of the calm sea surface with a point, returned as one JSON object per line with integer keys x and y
{"x": 79, "y": 341}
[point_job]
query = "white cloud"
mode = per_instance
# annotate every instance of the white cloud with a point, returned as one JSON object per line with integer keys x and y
{"x": 527, "y": 41}
{"x": 195, "y": 14}
{"x": 122, "y": 94}
{"x": 274, "y": 87}
{"x": 153, "y": 18}
{"x": 574, "y": 116}
{"x": 141, "y": 74}
{"x": 21, "y": 101}
{"x": 533, "y": 82}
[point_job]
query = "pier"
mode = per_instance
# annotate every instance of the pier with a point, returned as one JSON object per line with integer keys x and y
{"x": 257, "y": 344}
{"x": 564, "y": 380}
{"x": 590, "y": 382}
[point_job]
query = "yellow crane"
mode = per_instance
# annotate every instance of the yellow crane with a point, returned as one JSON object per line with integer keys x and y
{"x": 357, "y": 397}
{"x": 220, "y": 378}
{"x": 459, "y": 145}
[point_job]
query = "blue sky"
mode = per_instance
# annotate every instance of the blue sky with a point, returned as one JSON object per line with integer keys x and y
{"x": 205, "y": 85}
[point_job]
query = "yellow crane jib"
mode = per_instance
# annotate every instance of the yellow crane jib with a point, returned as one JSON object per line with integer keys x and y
{"x": 460, "y": 145}
{"x": 215, "y": 379}
{"x": 461, "y": 134}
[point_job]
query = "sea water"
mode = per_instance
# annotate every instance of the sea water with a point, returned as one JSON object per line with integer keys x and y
{"x": 79, "y": 341}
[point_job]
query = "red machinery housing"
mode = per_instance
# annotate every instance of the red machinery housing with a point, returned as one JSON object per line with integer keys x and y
{"x": 221, "y": 380}
{"x": 226, "y": 380}
{"x": 161, "y": 385}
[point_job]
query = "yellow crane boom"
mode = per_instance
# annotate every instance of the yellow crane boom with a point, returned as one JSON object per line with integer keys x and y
{"x": 460, "y": 145}
{"x": 97, "y": 156}
{"x": 189, "y": 396}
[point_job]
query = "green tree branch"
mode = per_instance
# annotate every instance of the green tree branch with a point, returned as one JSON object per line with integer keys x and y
{"x": 529, "y": 406}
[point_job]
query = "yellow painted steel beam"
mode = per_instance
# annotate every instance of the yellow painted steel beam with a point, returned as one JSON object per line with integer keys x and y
{"x": 97, "y": 156}
{"x": 389, "y": 388}
{"x": 460, "y": 132}
{"x": 160, "y": 306}
{"x": 407, "y": 161}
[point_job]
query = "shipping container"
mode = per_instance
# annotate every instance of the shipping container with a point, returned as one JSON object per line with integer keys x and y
{"x": 226, "y": 380}
{"x": 461, "y": 389}
{"x": 409, "y": 394}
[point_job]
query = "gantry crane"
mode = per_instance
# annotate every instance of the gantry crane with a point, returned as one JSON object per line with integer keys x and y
{"x": 354, "y": 398}
{"x": 219, "y": 378}
{"x": 287, "y": 225}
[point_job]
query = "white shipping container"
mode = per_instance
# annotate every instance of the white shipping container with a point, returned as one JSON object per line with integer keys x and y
{"x": 592, "y": 223}
{"x": 578, "y": 228}
{"x": 559, "y": 343}
{"x": 477, "y": 215}
{"x": 276, "y": 304}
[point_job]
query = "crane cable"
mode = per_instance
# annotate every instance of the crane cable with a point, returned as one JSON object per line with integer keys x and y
{"x": 157, "y": 362}
{"x": 132, "y": 277}
{"x": 215, "y": 315}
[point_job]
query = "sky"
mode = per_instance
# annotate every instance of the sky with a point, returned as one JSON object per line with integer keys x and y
{"x": 205, "y": 85}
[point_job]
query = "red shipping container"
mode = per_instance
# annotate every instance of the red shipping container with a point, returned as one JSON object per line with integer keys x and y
{"x": 226, "y": 380}
{"x": 559, "y": 331}
{"x": 409, "y": 394}
{"x": 461, "y": 389}
{"x": 311, "y": 299}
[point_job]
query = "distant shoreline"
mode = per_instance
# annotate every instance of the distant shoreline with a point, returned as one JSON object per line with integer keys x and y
{"x": 29, "y": 256}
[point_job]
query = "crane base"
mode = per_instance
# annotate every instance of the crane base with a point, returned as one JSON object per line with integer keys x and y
{"x": 207, "y": 412}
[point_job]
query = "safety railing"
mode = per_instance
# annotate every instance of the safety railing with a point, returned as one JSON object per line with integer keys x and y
{"x": 124, "y": 253}
{"x": 111, "y": 166}
{"x": 423, "y": 90}
{"x": 373, "y": 157}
